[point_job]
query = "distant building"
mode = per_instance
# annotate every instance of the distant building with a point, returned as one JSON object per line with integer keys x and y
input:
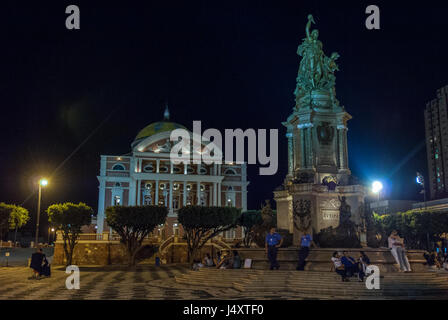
{"x": 146, "y": 176}
{"x": 434, "y": 205}
{"x": 391, "y": 206}
{"x": 436, "y": 129}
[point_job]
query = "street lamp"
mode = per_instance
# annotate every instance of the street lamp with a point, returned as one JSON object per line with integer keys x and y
{"x": 42, "y": 183}
{"x": 50, "y": 230}
{"x": 421, "y": 181}
{"x": 377, "y": 186}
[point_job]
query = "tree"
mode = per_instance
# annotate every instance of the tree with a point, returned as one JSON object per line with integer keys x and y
{"x": 18, "y": 218}
{"x": 203, "y": 223}
{"x": 12, "y": 217}
{"x": 248, "y": 220}
{"x": 134, "y": 224}
{"x": 419, "y": 229}
{"x": 5, "y": 212}
{"x": 69, "y": 218}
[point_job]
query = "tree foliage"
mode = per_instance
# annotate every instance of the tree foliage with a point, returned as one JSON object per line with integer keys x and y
{"x": 203, "y": 223}
{"x": 12, "y": 217}
{"x": 420, "y": 229}
{"x": 5, "y": 212}
{"x": 133, "y": 224}
{"x": 69, "y": 218}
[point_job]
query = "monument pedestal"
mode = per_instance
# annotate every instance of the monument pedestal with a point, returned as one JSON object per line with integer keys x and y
{"x": 323, "y": 210}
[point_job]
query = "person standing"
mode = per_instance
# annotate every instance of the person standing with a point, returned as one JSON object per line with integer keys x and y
{"x": 273, "y": 242}
{"x": 306, "y": 241}
{"x": 396, "y": 246}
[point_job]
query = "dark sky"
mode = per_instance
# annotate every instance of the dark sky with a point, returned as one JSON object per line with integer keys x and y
{"x": 231, "y": 64}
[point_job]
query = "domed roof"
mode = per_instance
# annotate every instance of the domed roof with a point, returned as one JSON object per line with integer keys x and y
{"x": 157, "y": 127}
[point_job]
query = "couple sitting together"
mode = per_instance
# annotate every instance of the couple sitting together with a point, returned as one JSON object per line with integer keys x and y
{"x": 346, "y": 266}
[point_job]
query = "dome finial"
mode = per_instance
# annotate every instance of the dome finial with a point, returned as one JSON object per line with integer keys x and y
{"x": 166, "y": 114}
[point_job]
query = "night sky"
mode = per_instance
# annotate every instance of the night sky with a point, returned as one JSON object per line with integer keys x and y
{"x": 231, "y": 64}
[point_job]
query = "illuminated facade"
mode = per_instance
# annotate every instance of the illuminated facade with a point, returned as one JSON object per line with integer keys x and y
{"x": 148, "y": 177}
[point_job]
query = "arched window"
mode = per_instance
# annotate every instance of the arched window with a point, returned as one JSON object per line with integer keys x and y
{"x": 163, "y": 169}
{"x": 230, "y": 172}
{"x": 203, "y": 170}
{"x": 148, "y": 168}
{"x": 118, "y": 166}
{"x": 176, "y": 169}
{"x": 118, "y": 184}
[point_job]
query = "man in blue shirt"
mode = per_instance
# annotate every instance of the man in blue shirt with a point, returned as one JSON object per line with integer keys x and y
{"x": 350, "y": 264}
{"x": 273, "y": 242}
{"x": 306, "y": 240}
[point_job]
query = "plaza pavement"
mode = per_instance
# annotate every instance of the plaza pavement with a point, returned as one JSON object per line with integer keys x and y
{"x": 177, "y": 282}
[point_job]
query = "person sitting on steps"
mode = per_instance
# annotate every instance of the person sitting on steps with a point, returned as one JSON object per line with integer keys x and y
{"x": 338, "y": 266}
{"x": 351, "y": 266}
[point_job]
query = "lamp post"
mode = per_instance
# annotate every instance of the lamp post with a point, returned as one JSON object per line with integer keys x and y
{"x": 50, "y": 230}
{"x": 42, "y": 183}
{"x": 421, "y": 181}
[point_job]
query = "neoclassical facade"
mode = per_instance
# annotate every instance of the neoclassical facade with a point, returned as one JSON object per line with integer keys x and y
{"x": 147, "y": 176}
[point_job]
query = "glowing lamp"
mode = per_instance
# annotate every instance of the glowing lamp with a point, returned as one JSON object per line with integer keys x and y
{"x": 377, "y": 186}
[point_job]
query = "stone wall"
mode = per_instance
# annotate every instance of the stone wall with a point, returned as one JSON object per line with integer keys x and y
{"x": 113, "y": 252}
{"x": 92, "y": 253}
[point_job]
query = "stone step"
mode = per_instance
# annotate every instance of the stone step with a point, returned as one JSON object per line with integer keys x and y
{"x": 340, "y": 290}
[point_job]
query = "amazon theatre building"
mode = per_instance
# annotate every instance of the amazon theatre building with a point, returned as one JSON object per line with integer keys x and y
{"x": 146, "y": 176}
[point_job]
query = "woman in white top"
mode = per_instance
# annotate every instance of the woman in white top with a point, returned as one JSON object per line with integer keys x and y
{"x": 396, "y": 244}
{"x": 338, "y": 266}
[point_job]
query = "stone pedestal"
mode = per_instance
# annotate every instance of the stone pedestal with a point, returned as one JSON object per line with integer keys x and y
{"x": 324, "y": 209}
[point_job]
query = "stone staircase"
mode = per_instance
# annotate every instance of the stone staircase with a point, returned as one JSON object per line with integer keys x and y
{"x": 319, "y": 259}
{"x": 267, "y": 284}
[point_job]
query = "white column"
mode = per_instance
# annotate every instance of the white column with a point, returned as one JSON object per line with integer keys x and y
{"x": 101, "y": 199}
{"x": 171, "y": 195}
{"x": 210, "y": 196}
{"x": 171, "y": 167}
{"x": 244, "y": 198}
{"x": 139, "y": 191}
{"x": 214, "y": 193}
{"x": 184, "y": 200}
{"x": 131, "y": 201}
{"x": 156, "y": 200}
{"x": 198, "y": 193}
{"x": 219, "y": 194}
{"x": 157, "y": 165}
{"x": 140, "y": 165}
{"x": 185, "y": 168}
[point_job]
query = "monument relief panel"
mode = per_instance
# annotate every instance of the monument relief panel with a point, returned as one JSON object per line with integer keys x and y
{"x": 329, "y": 213}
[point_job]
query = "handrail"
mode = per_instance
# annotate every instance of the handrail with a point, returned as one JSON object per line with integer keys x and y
{"x": 165, "y": 243}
